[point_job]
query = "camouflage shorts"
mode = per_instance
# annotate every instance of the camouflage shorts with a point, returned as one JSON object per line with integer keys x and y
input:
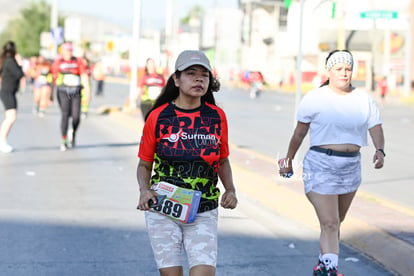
{"x": 168, "y": 237}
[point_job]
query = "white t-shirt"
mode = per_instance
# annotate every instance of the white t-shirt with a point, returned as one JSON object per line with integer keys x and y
{"x": 336, "y": 118}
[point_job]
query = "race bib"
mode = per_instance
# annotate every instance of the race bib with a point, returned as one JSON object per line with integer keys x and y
{"x": 71, "y": 80}
{"x": 180, "y": 204}
{"x": 153, "y": 92}
{"x": 41, "y": 79}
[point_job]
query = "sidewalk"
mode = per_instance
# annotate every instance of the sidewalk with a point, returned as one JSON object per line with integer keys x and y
{"x": 381, "y": 229}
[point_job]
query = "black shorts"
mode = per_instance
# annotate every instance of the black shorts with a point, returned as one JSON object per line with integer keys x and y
{"x": 9, "y": 100}
{"x": 71, "y": 91}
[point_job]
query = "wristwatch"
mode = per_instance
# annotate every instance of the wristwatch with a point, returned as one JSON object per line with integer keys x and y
{"x": 382, "y": 151}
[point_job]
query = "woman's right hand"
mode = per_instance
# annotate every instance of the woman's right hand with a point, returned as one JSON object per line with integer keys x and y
{"x": 285, "y": 167}
{"x": 144, "y": 198}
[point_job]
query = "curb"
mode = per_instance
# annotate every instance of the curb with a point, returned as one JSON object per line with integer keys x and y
{"x": 288, "y": 200}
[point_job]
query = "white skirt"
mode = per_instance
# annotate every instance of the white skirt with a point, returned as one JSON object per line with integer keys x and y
{"x": 331, "y": 175}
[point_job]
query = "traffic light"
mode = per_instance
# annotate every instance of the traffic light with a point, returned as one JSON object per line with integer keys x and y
{"x": 333, "y": 9}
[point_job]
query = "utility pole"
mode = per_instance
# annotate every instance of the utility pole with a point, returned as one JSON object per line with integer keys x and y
{"x": 341, "y": 25}
{"x": 409, "y": 57}
{"x": 408, "y": 53}
{"x": 299, "y": 63}
{"x": 133, "y": 55}
{"x": 54, "y": 15}
{"x": 168, "y": 23}
{"x": 215, "y": 35}
{"x": 54, "y": 23}
{"x": 169, "y": 34}
{"x": 387, "y": 48}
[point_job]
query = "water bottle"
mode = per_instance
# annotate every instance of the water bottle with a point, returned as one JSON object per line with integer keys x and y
{"x": 283, "y": 163}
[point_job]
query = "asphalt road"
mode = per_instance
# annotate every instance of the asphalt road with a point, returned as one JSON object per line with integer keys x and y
{"x": 73, "y": 213}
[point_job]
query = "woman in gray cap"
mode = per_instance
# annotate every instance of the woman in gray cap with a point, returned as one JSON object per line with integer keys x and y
{"x": 338, "y": 117}
{"x": 185, "y": 143}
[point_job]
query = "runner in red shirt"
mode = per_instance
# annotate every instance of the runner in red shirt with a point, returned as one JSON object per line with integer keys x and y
{"x": 70, "y": 76}
{"x": 185, "y": 144}
{"x": 150, "y": 86}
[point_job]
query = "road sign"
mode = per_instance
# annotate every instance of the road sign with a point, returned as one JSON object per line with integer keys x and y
{"x": 57, "y": 34}
{"x": 379, "y": 14}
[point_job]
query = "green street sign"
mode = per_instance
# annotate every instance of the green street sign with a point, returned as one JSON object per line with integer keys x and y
{"x": 379, "y": 14}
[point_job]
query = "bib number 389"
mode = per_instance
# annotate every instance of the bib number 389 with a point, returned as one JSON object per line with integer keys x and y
{"x": 173, "y": 209}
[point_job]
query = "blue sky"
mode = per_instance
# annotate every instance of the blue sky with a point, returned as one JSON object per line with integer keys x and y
{"x": 153, "y": 11}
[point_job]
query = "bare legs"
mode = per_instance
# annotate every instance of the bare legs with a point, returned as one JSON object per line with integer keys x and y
{"x": 45, "y": 97}
{"x": 331, "y": 211}
{"x": 42, "y": 98}
{"x": 9, "y": 119}
{"x": 36, "y": 98}
{"x": 199, "y": 270}
{"x": 6, "y": 125}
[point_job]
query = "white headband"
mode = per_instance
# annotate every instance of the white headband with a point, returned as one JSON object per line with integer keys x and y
{"x": 339, "y": 57}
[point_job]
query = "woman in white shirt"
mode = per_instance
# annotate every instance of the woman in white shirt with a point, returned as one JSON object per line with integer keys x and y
{"x": 338, "y": 117}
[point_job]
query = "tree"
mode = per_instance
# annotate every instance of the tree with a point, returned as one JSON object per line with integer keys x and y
{"x": 194, "y": 14}
{"x": 25, "y": 29}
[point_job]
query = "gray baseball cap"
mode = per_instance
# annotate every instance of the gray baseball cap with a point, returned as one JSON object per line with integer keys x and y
{"x": 191, "y": 57}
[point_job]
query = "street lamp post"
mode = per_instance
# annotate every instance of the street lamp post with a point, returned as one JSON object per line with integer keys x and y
{"x": 299, "y": 63}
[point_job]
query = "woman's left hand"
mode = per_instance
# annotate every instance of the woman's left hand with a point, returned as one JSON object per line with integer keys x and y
{"x": 229, "y": 200}
{"x": 378, "y": 160}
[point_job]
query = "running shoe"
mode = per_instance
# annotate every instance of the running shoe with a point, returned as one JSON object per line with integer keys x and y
{"x": 333, "y": 272}
{"x": 319, "y": 269}
{"x": 5, "y": 148}
{"x": 35, "y": 109}
{"x": 63, "y": 147}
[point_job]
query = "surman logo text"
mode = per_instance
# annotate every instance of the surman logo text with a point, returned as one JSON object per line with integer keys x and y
{"x": 199, "y": 139}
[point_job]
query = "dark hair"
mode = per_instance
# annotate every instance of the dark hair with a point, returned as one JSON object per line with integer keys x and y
{"x": 146, "y": 64}
{"x": 170, "y": 92}
{"x": 326, "y": 61}
{"x": 9, "y": 50}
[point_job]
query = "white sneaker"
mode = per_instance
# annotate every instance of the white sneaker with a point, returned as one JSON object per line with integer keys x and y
{"x": 5, "y": 148}
{"x": 63, "y": 147}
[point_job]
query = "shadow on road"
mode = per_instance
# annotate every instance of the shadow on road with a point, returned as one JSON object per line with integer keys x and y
{"x": 44, "y": 248}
